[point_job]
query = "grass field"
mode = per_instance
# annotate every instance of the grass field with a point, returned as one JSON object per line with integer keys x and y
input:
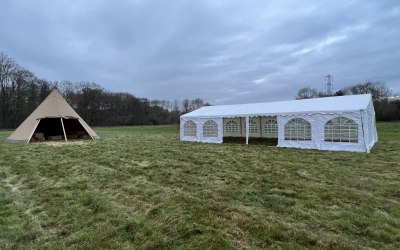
{"x": 141, "y": 188}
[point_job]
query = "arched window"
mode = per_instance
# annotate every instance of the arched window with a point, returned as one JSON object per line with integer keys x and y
{"x": 253, "y": 127}
{"x": 298, "y": 129}
{"x": 271, "y": 127}
{"x": 189, "y": 128}
{"x": 231, "y": 127}
{"x": 210, "y": 129}
{"x": 341, "y": 129}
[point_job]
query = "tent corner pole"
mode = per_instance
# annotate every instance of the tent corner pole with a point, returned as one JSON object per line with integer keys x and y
{"x": 247, "y": 130}
{"x": 62, "y": 124}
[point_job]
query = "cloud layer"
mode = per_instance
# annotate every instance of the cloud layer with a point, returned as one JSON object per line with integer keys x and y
{"x": 222, "y": 51}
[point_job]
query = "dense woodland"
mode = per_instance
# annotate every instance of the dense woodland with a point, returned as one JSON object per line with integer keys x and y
{"x": 386, "y": 109}
{"x": 21, "y": 91}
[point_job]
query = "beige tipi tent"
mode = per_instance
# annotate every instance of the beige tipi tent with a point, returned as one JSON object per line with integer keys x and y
{"x": 54, "y": 119}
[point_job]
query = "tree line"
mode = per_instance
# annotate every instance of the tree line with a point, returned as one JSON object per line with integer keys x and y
{"x": 385, "y": 108}
{"x": 21, "y": 91}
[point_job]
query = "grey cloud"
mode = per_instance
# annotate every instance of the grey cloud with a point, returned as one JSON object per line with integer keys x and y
{"x": 221, "y": 51}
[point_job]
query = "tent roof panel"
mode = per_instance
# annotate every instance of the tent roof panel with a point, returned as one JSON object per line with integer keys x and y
{"x": 334, "y": 104}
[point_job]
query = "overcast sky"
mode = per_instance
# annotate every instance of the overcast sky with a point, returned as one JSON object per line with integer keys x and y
{"x": 219, "y": 50}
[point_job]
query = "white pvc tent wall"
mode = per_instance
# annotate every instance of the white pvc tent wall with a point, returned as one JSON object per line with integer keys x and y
{"x": 317, "y": 112}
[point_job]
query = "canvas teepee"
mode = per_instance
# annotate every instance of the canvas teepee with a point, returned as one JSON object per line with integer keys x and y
{"x": 53, "y": 119}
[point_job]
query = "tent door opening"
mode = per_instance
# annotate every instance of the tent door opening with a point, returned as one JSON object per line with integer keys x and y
{"x": 75, "y": 130}
{"x": 252, "y": 141}
{"x": 51, "y": 129}
{"x": 262, "y": 130}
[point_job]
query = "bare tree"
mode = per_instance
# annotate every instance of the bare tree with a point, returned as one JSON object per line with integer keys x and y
{"x": 7, "y": 66}
{"x": 196, "y": 104}
{"x": 68, "y": 89}
{"x": 185, "y": 106}
{"x": 165, "y": 104}
{"x": 377, "y": 89}
{"x": 307, "y": 93}
{"x": 20, "y": 80}
{"x": 175, "y": 106}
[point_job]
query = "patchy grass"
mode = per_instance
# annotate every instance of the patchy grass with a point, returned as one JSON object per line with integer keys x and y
{"x": 141, "y": 188}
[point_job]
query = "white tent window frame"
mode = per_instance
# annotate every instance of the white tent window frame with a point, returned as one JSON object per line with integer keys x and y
{"x": 189, "y": 128}
{"x": 298, "y": 129}
{"x": 210, "y": 129}
{"x": 271, "y": 126}
{"x": 232, "y": 127}
{"x": 341, "y": 129}
{"x": 253, "y": 127}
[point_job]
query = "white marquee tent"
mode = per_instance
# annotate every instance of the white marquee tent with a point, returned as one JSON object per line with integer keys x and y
{"x": 332, "y": 123}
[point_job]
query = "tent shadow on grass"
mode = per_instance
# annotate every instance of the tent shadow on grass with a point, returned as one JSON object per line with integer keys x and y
{"x": 252, "y": 141}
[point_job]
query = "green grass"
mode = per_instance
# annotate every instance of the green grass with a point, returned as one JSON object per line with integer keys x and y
{"x": 142, "y": 188}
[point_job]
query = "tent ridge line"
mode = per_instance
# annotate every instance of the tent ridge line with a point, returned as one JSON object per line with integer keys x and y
{"x": 274, "y": 114}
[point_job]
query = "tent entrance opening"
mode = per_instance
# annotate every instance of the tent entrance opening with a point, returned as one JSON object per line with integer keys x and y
{"x": 262, "y": 130}
{"x": 51, "y": 129}
{"x": 252, "y": 141}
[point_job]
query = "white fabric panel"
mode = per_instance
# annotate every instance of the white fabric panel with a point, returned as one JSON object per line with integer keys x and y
{"x": 199, "y": 130}
{"x": 281, "y": 132}
{"x": 189, "y": 138}
{"x": 373, "y": 134}
{"x": 365, "y": 119}
{"x": 318, "y": 122}
{"x": 218, "y": 139}
{"x": 313, "y": 143}
{"x": 341, "y": 146}
{"x": 375, "y": 130}
{"x": 232, "y": 133}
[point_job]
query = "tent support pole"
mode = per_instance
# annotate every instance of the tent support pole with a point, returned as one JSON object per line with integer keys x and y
{"x": 247, "y": 130}
{"x": 62, "y": 124}
{"x": 363, "y": 133}
{"x": 33, "y": 131}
